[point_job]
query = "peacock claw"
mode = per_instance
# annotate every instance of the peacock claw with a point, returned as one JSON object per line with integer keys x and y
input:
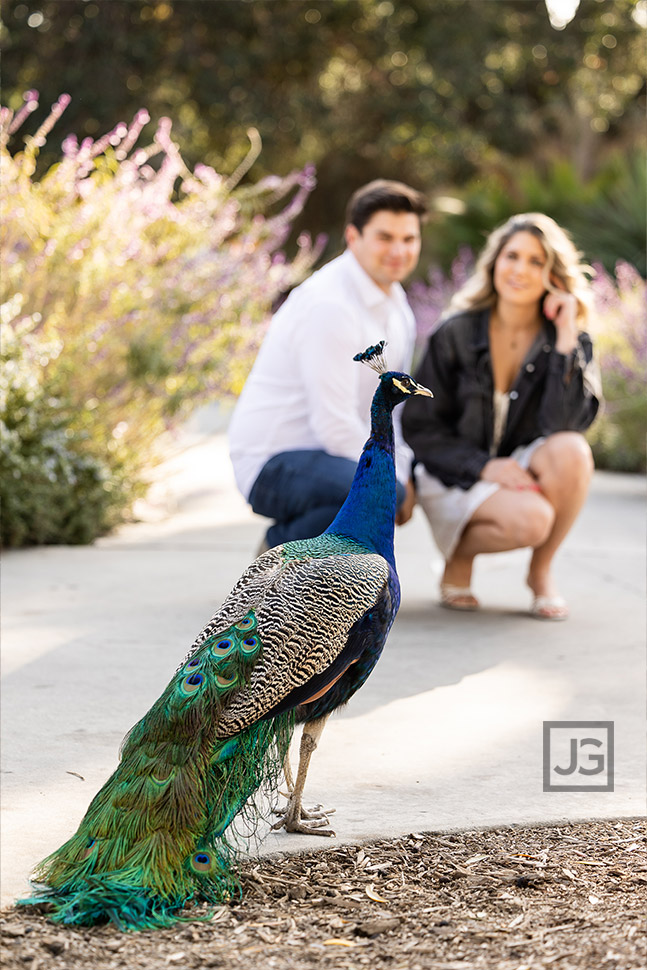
{"x": 304, "y": 821}
{"x": 317, "y": 812}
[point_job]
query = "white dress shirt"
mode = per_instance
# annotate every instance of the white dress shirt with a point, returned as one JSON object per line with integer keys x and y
{"x": 305, "y": 391}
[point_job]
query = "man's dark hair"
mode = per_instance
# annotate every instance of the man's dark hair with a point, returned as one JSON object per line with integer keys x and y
{"x": 384, "y": 194}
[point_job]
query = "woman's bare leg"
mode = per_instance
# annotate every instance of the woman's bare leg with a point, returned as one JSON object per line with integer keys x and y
{"x": 506, "y": 520}
{"x": 563, "y": 467}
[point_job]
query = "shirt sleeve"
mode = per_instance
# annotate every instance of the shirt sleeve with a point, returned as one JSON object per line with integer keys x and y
{"x": 404, "y": 457}
{"x": 573, "y": 390}
{"x": 326, "y": 346}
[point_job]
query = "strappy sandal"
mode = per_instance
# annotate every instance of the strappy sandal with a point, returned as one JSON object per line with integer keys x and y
{"x": 458, "y": 598}
{"x": 549, "y": 608}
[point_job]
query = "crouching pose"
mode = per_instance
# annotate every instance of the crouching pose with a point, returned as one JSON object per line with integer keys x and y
{"x": 501, "y": 462}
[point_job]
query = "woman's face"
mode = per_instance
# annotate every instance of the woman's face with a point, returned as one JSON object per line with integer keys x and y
{"x": 519, "y": 270}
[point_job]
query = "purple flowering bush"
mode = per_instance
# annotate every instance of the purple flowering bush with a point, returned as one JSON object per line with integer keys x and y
{"x": 430, "y": 300}
{"x": 132, "y": 290}
{"x": 617, "y": 326}
{"x": 620, "y": 335}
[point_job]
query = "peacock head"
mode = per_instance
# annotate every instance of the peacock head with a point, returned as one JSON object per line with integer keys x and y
{"x": 396, "y": 386}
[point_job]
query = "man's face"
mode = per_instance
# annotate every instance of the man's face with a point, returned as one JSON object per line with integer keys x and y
{"x": 388, "y": 246}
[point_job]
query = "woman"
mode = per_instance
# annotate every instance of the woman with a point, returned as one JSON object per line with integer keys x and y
{"x": 500, "y": 459}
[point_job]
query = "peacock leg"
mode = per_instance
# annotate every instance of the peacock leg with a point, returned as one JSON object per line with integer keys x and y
{"x": 316, "y": 812}
{"x": 295, "y": 818}
{"x": 287, "y": 773}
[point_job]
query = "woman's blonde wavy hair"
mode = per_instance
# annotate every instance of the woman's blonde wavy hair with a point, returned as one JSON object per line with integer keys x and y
{"x": 563, "y": 261}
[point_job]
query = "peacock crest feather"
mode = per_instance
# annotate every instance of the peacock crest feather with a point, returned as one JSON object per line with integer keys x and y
{"x": 374, "y": 358}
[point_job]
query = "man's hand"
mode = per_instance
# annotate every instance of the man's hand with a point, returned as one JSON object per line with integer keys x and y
{"x": 405, "y": 511}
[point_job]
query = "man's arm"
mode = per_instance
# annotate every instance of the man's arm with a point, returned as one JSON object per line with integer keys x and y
{"x": 327, "y": 345}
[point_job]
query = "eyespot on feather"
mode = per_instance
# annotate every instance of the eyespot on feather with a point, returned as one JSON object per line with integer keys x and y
{"x": 85, "y": 853}
{"x": 247, "y": 623}
{"x": 161, "y": 775}
{"x": 192, "y": 683}
{"x": 201, "y": 861}
{"x": 225, "y": 681}
{"x": 222, "y": 648}
{"x": 249, "y": 644}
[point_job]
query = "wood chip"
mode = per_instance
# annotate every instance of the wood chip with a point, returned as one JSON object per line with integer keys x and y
{"x": 478, "y": 899}
{"x": 370, "y": 892}
{"x": 376, "y": 926}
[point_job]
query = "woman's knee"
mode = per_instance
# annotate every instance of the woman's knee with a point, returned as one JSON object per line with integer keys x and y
{"x": 531, "y": 522}
{"x": 576, "y": 452}
{"x": 564, "y": 460}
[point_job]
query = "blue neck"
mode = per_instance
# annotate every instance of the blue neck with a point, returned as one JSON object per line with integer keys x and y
{"x": 368, "y": 514}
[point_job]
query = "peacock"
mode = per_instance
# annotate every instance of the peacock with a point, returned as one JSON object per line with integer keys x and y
{"x": 299, "y": 633}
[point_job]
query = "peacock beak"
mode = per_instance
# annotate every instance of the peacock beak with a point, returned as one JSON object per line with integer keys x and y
{"x": 421, "y": 390}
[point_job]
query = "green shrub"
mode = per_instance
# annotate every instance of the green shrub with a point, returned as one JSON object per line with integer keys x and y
{"x": 133, "y": 290}
{"x": 52, "y": 489}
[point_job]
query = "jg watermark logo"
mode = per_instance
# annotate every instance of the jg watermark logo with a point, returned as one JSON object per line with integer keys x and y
{"x": 578, "y": 755}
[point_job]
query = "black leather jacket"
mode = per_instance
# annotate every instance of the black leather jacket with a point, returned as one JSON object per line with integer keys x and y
{"x": 452, "y": 434}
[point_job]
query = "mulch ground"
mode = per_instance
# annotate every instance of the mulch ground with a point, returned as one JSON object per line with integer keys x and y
{"x": 567, "y": 897}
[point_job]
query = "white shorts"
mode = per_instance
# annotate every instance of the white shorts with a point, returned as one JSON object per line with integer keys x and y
{"x": 449, "y": 508}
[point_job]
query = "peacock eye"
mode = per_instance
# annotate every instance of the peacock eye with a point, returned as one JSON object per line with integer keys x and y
{"x": 404, "y": 384}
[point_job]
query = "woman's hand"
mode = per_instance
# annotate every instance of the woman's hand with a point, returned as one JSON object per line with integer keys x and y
{"x": 509, "y": 474}
{"x": 561, "y": 308}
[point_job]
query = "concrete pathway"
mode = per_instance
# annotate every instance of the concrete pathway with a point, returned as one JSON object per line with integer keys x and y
{"x": 447, "y": 733}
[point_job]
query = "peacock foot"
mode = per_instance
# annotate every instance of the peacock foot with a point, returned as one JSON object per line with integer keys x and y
{"x": 295, "y": 818}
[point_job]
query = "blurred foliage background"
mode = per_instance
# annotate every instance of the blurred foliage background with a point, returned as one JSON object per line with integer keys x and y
{"x": 480, "y": 103}
{"x": 136, "y": 281}
{"x": 130, "y": 294}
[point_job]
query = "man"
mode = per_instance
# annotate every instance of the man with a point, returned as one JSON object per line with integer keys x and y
{"x": 304, "y": 414}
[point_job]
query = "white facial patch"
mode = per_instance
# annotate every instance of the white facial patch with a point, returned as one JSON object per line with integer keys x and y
{"x": 402, "y": 387}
